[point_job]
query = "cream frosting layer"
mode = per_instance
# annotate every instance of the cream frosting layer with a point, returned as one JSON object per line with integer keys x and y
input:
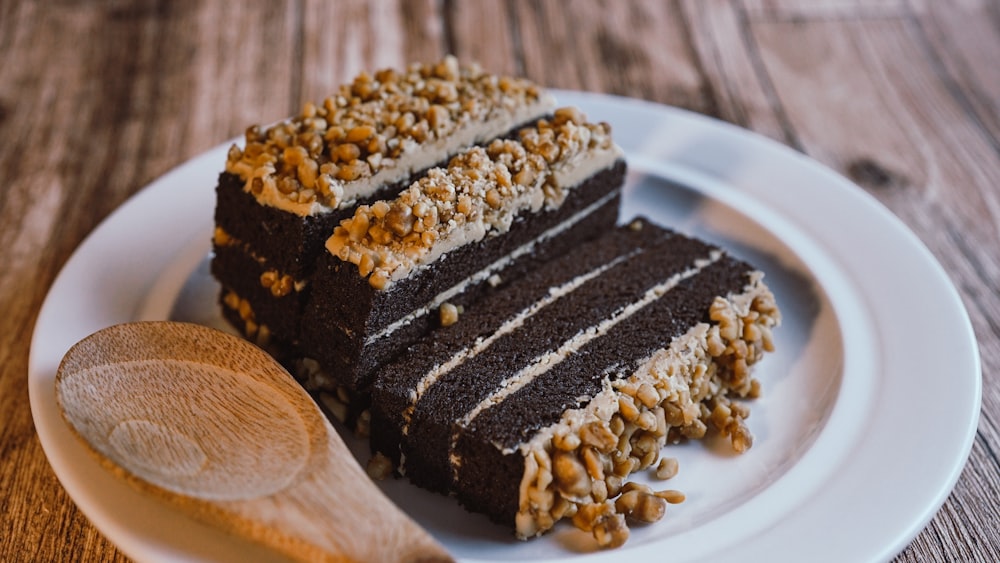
{"x": 414, "y": 157}
{"x": 478, "y": 194}
{"x": 379, "y": 130}
{"x": 487, "y": 273}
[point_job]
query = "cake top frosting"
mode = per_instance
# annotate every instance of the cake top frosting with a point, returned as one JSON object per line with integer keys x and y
{"x": 378, "y": 130}
{"x": 482, "y": 190}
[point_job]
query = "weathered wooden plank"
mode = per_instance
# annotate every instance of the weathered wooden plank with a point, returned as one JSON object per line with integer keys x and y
{"x": 339, "y": 40}
{"x": 483, "y": 32}
{"x": 900, "y": 132}
{"x": 424, "y": 23}
{"x": 949, "y": 537}
{"x": 640, "y": 49}
{"x": 96, "y": 102}
{"x": 239, "y": 58}
{"x": 966, "y": 44}
{"x": 829, "y": 9}
{"x": 106, "y": 133}
{"x": 731, "y": 65}
{"x": 39, "y": 519}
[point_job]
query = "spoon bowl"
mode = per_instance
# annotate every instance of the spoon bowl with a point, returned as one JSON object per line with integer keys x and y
{"x": 211, "y": 424}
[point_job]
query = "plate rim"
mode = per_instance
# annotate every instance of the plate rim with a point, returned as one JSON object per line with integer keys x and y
{"x": 758, "y": 142}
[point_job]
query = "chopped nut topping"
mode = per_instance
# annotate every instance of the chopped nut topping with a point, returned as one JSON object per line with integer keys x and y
{"x": 682, "y": 392}
{"x": 611, "y": 531}
{"x": 481, "y": 190}
{"x": 368, "y": 125}
{"x": 641, "y": 505}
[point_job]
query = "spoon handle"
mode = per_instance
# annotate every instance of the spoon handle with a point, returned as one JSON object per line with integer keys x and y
{"x": 334, "y": 513}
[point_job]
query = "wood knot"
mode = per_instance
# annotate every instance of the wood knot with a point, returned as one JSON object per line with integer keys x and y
{"x": 870, "y": 174}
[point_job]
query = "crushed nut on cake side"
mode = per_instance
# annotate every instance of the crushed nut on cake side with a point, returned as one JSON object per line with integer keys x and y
{"x": 579, "y": 468}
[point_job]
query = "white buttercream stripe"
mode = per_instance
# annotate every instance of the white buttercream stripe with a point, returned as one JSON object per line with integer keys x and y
{"x": 546, "y": 361}
{"x": 485, "y": 273}
{"x": 512, "y": 324}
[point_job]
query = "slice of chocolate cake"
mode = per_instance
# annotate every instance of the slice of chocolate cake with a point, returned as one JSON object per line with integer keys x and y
{"x": 398, "y": 268}
{"x": 546, "y": 396}
{"x": 283, "y": 193}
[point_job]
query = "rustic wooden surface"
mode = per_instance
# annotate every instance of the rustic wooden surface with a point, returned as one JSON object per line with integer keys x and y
{"x": 98, "y": 99}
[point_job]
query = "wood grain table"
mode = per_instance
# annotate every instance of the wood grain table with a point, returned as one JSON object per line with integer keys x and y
{"x": 99, "y": 98}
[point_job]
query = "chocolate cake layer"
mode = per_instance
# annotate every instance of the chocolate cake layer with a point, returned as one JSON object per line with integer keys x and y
{"x": 253, "y": 241}
{"x": 275, "y": 305}
{"x": 239, "y": 313}
{"x": 492, "y": 214}
{"x": 401, "y": 382}
{"x": 291, "y": 242}
{"x": 427, "y": 436}
{"x": 351, "y": 337}
{"x": 469, "y": 409}
{"x": 570, "y": 385}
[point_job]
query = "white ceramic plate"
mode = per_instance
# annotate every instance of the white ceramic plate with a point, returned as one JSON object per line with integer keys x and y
{"x": 848, "y": 462}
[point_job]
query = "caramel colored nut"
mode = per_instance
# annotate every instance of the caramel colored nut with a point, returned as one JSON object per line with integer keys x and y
{"x": 614, "y": 483}
{"x": 568, "y": 114}
{"x": 593, "y": 462}
{"x": 611, "y": 532}
{"x": 590, "y": 514}
{"x": 221, "y": 238}
{"x": 360, "y": 133}
{"x": 346, "y": 152}
{"x": 667, "y": 469}
{"x": 647, "y": 395}
{"x": 635, "y": 486}
{"x": 380, "y": 209}
{"x": 627, "y": 408}
{"x": 571, "y": 476}
{"x": 599, "y": 491}
{"x": 641, "y": 505}
{"x": 358, "y": 227}
{"x": 566, "y": 442}
{"x": 378, "y": 280}
{"x": 353, "y": 170}
{"x": 671, "y": 496}
{"x": 599, "y": 436}
{"x": 400, "y": 219}
{"x": 366, "y": 265}
{"x": 448, "y": 314}
{"x": 379, "y": 467}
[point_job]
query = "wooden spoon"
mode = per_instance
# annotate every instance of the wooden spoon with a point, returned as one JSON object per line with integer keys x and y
{"x": 213, "y": 425}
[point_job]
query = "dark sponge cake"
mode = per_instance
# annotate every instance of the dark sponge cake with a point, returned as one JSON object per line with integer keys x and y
{"x": 434, "y": 254}
{"x": 495, "y": 213}
{"x": 290, "y": 185}
{"x": 545, "y": 396}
